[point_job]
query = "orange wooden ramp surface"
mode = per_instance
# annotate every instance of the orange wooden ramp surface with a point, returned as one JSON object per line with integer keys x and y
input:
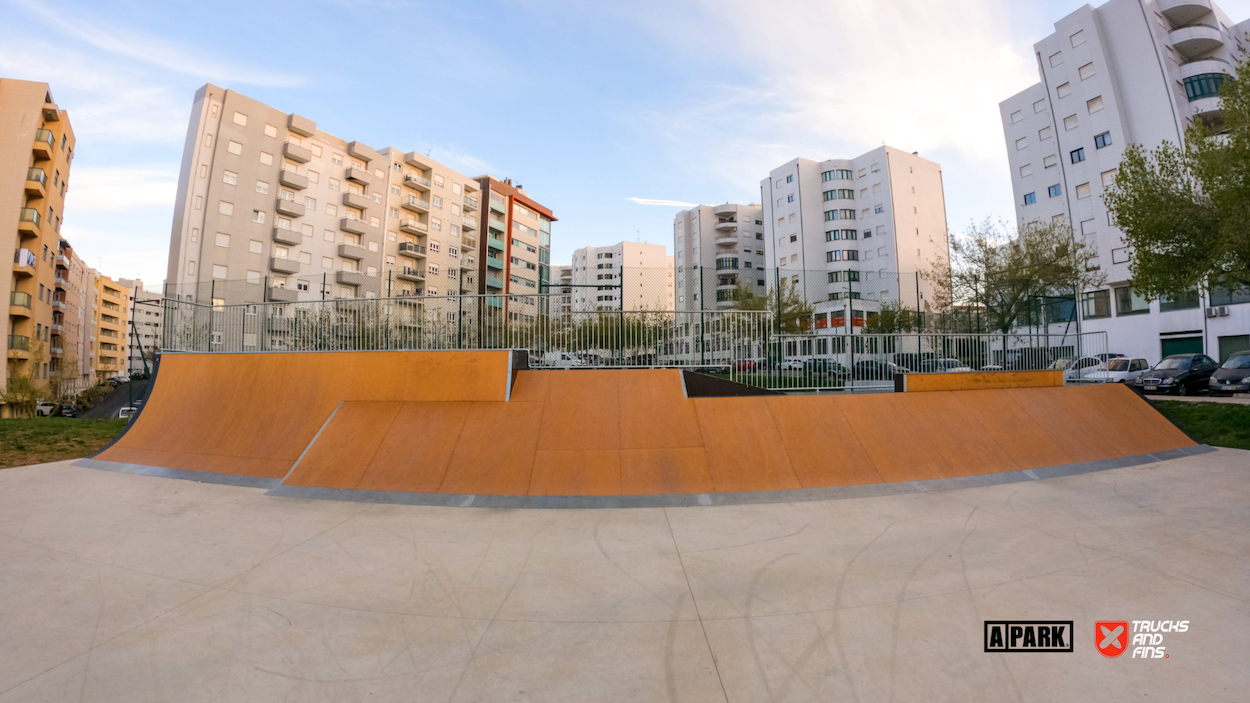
{"x": 443, "y": 422}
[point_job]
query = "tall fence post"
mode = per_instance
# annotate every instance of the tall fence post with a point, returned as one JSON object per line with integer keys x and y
{"x": 702, "y": 323}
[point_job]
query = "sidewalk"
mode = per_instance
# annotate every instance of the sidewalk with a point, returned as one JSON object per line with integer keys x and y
{"x": 1202, "y": 399}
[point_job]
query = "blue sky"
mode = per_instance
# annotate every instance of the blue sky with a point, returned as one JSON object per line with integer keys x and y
{"x": 593, "y": 107}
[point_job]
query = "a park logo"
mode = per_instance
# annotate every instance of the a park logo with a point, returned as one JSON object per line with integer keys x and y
{"x": 1028, "y": 636}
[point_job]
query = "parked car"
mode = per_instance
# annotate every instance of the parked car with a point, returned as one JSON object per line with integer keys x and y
{"x": 1233, "y": 376}
{"x": 944, "y": 366}
{"x": 792, "y": 365}
{"x": 126, "y": 412}
{"x": 67, "y": 410}
{"x": 869, "y": 370}
{"x": 744, "y": 365}
{"x": 561, "y": 360}
{"x": 1074, "y": 369}
{"x": 1107, "y": 356}
{"x": 44, "y": 408}
{"x": 827, "y": 368}
{"x": 1182, "y": 374}
{"x": 993, "y": 367}
{"x": 116, "y": 381}
{"x": 1117, "y": 370}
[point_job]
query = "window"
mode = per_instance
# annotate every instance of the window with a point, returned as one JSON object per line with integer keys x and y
{"x": 1108, "y": 178}
{"x": 1187, "y": 301}
{"x": 336, "y": 159}
{"x": 225, "y": 208}
{"x": 1094, "y": 105}
{"x": 1039, "y": 106}
{"x": 1096, "y": 304}
{"x": 234, "y": 148}
{"x": 1102, "y": 140}
{"x": 1055, "y": 190}
{"x": 1056, "y": 59}
{"x": 833, "y": 256}
{"x": 1022, "y": 143}
{"x": 240, "y": 119}
{"x": 1078, "y": 38}
{"x": 334, "y": 184}
{"x": 833, "y": 235}
{"x": 1078, "y": 156}
{"x": 262, "y": 187}
{"x": 208, "y": 141}
{"x": 1082, "y": 191}
{"x": 1204, "y": 85}
{"x": 271, "y": 131}
{"x": 219, "y": 271}
{"x": 1119, "y": 255}
{"x": 1127, "y": 302}
{"x": 790, "y": 179}
{"x": 266, "y": 158}
{"x": 1017, "y": 116}
{"x": 436, "y": 201}
{"x": 1026, "y": 170}
{"x": 1087, "y": 71}
{"x": 1070, "y": 122}
{"x": 789, "y": 199}
{"x": 223, "y": 240}
{"x": 1087, "y": 226}
{"x": 230, "y": 178}
{"x": 881, "y": 208}
{"x": 254, "y": 247}
{"x": 1030, "y": 198}
{"x": 1049, "y": 161}
{"x": 258, "y": 216}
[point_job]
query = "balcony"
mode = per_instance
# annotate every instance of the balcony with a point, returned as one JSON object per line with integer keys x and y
{"x": 362, "y": 152}
{"x": 494, "y": 282}
{"x": 350, "y": 278}
{"x": 291, "y": 179}
{"x": 62, "y": 261}
{"x": 1195, "y": 41}
{"x": 1184, "y": 12}
{"x": 730, "y": 239}
{"x": 492, "y": 262}
{"x": 727, "y": 264}
{"x": 725, "y": 210}
{"x": 359, "y": 175}
{"x": 24, "y": 262}
{"x": 45, "y": 144}
{"x": 494, "y": 242}
{"x": 61, "y": 283}
{"x": 413, "y": 227}
{"x": 499, "y": 206}
{"x": 36, "y": 182}
{"x": 351, "y": 251}
{"x": 415, "y": 204}
{"x": 496, "y": 225}
{"x": 280, "y": 265}
{"x": 412, "y": 251}
{"x": 290, "y": 208}
{"x": 51, "y": 113}
{"x": 288, "y": 237}
{"x": 28, "y": 222}
{"x": 418, "y": 183}
{"x": 60, "y": 305}
{"x": 357, "y": 200}
{"x": 19, "y": 304}
{"x": 282, "y": 295}
{"x": 301, "y": 125}
{"x": 410, "y": 274}
{"x": 350, "y": 224}
{"x": 468, "y": 243}
{"x": 727, "y": 226}
{"x": 56, "y": 351}
{"x": 418, "y": 161}
{"x": 1208, "y": 110}
{"x": 296, "y": 153}
{"x": 468, "y": 223}
{"x": 19, "y": 343}
{"x": 470, "y": 203}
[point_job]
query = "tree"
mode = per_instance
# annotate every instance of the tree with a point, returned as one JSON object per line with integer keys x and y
{"x": 1185, "y": 209}
{"x": 790, "y": 311}
{"x": 1000, "y": 272}
{"x": 891, "y": 318}
{"x": 24, "y": 390}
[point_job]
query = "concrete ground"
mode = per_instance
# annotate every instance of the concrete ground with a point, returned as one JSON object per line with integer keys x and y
{"x": 1234, "y": 399}
{"x": 118, "y": 587}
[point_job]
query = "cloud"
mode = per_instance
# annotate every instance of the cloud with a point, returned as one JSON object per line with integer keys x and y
{"x": 462, "y": 161}
{"x": 664, "y": 203}
{"x": 114, "y": 189}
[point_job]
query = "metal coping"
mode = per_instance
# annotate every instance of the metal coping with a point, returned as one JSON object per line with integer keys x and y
{"x": 276, "y": 488}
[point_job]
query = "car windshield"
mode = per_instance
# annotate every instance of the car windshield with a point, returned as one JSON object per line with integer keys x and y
{"x": 1179, "y": 363}
{"x": 1117, "y": 365}
{"x": 1060, "y": 364}
{"x": 1241, "y": 361}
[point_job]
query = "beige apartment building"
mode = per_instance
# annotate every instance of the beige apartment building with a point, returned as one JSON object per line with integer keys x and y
{"x": 715, "y": 248}
{"x": 517, "y": 259}
{"x": 36, "y": 150}
{"x": 145, "y": 313}
{"x": 627, "y": 275}
{"x": 74, "y": 308}
{"x": 112, "y": 327}
{"x": 270, "y": 208}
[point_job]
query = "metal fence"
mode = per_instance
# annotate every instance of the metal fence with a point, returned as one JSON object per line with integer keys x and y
{"x": 747, "y": 346}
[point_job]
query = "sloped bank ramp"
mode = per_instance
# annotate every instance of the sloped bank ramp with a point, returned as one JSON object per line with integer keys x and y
{"x": 477, "y": 428}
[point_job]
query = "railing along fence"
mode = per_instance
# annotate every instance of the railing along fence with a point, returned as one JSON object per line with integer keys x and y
{"x": 742, "y": 345}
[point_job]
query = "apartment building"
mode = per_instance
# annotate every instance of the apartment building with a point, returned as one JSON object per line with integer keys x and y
{"x": 112, "y": 327}
{"x": 1128, "y": 71}
{"x": 562, "y": 282}
{"x": 517, "y": 256}
{"x": 627, "y": 275}
{"x": 714, "y": 248}
{"x": 36, "y": 150}
{"x": 145, "y": 312}
{"x": 270, "y": 208}
{"x": 73, "y": 319}
{"x": 850, "y": 234}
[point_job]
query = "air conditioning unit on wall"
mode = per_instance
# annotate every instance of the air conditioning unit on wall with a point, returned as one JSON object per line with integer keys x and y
{"x": 1211, "y": 312}
{"x": 1221, "y": 311}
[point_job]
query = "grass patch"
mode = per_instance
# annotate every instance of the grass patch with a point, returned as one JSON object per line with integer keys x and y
{"x": 35, "y": 440}
{"x": 1216, "y": 424}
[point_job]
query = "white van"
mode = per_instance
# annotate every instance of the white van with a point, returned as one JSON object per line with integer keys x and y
{"x": 561, "y": 360}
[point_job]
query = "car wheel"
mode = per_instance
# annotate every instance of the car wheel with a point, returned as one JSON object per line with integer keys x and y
{"x": 1182, "y": 390}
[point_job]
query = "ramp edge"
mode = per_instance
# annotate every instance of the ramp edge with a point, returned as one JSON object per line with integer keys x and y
{"x": 184, "y": 474}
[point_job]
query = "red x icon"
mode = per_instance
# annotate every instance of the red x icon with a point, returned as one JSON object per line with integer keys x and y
{"x": 1111, "y": 637}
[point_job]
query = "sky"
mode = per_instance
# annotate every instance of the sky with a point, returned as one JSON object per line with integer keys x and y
{"x": 615, "y": 115}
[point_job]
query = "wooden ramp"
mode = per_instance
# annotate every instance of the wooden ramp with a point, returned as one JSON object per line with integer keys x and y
{"x": 443, "y": 422}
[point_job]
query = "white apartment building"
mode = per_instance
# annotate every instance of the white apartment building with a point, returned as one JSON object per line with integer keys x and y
{"x": 1128, "y": 71}
{"x": 628, "y": 275}
{"x": 848, "y": 234}
{"x": 714, "y": 248}
{"x": 145, "y": 313}
{"x": 270, "y": 208}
